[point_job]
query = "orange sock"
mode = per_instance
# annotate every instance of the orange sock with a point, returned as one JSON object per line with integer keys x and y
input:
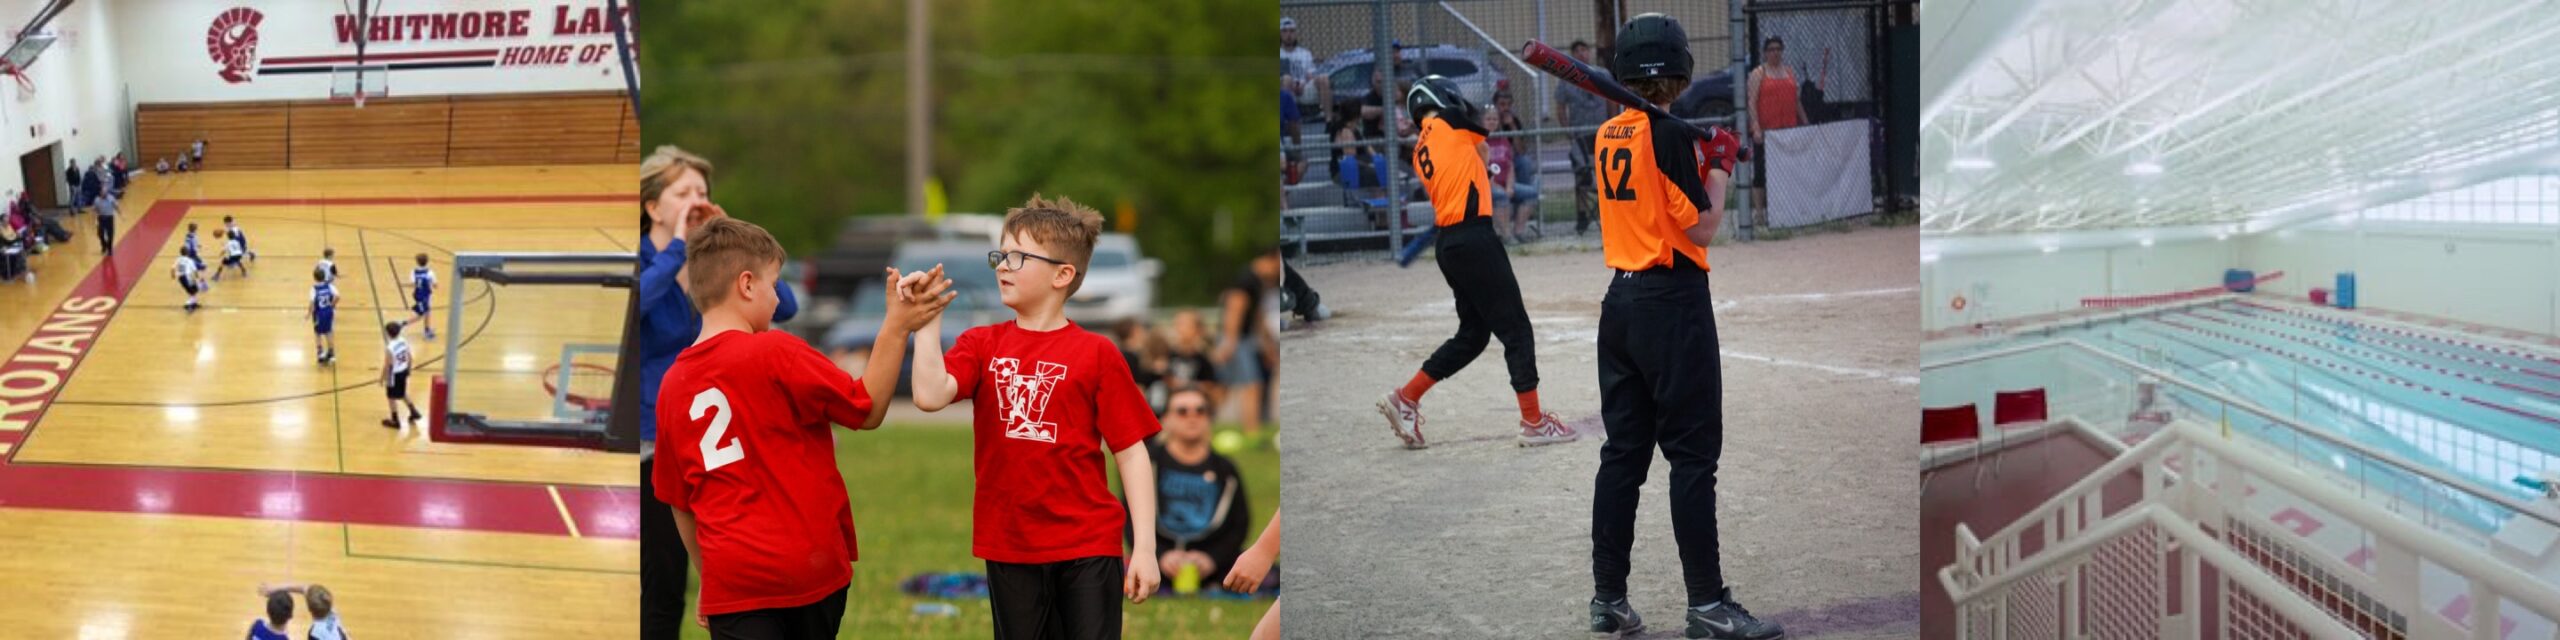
{"x": 1413, "y": 389}
{"x": 1529, "y": 412}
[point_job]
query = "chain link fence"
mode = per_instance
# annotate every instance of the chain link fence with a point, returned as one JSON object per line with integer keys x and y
{"x": 1837, "y": 62}
{"x": 1348, "y": 192}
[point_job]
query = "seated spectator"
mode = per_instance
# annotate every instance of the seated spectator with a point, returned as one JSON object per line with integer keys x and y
{"x": 118, "y": 175}
{"x": 162, "y": 167}
{"x": 1147, "y": 358}
{"x": 185, "y": 164}
{"x": 1187, "y": 361}
{"x": 1201, "y": 511}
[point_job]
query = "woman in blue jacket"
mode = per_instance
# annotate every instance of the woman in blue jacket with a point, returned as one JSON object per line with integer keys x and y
{"x": 674, "y": 196}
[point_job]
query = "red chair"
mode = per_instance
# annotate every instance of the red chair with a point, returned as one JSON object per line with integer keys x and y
{"x": 1951, "y": 426}
{"x": 2025, "y": 409}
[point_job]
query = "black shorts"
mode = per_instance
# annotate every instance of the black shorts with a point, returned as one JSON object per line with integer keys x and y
{"x": 189, "y": 285}
{"x": 399, "y": 387}
{"x": 1065, "y": 600}
{"x": 813, "y": 621}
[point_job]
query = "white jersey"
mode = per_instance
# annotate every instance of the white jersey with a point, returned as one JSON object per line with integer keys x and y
{"x": 327, "y": 628}
{"x": 329, "y": 267}
{"x": 395, "y": 356}
{"x": 186, "y": 269}
{"x": 231, "y": 247}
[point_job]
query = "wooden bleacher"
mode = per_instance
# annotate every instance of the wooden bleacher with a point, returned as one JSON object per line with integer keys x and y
{"x": 251, "y": 134}
{"x": 428, "y": 131}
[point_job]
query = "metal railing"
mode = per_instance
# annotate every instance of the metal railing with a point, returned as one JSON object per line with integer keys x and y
{"x": 2301, "y": 434}
{"x": 2102, "y": 574}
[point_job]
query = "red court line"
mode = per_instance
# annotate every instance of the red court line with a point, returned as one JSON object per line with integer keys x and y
{"x": 370, "y": 57}
{"x": 399, "y": 200}
{"x": 504, "y": 507}
{"x": 513, "y": 507}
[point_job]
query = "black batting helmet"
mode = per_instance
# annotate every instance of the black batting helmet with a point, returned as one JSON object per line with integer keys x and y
{"x": 1651, "y": 46}
{"x": 1438, "y": 93}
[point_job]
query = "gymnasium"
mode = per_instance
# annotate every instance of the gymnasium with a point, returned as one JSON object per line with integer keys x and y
{"x": 2244, "y": 320}
{"x": 160, "y": 465}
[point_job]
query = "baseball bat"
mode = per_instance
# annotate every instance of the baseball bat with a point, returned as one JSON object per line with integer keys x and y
{"x": 1575, "y": 73}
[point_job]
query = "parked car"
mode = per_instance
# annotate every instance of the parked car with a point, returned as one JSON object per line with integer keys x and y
{"x": 1475, "y": 73}
{"x": 1119, "y": 283}
{"x": 977, "y": 302}
{"x": 1708, "y": 96}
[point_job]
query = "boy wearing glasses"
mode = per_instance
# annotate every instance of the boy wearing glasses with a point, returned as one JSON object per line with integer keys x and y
{"x": 1046, "y": 394}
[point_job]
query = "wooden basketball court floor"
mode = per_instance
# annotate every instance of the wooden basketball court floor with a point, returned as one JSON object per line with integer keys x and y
{"x": 157, "y": 465}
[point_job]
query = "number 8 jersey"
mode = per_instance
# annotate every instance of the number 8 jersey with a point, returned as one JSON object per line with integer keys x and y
{"x": 1650, "y": 192}
{"x": 744, "y": 446}
{"x": 1452, "y": 170}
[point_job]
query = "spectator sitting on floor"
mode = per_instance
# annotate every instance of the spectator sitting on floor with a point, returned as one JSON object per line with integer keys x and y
{"x": 162, "y": 167}
{"x": 1187, "y": 362}
{"x": 1202, "y": 516}
{"x": 1147, "y": 359}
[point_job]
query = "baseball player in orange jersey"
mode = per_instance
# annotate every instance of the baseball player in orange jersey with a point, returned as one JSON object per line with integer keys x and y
{"x": 1450, "y": 159}
{"x": 1662, "y": 196}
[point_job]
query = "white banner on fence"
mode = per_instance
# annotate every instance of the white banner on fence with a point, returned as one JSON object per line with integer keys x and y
{"x": 1819, "y": 173}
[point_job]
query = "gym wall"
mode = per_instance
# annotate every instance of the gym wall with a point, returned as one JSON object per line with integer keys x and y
{"x": 470, "y": 83}
{"x": 76, "y": 101}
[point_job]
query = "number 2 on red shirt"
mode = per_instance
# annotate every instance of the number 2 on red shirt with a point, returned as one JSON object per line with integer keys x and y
{"x": 715, "y": 456}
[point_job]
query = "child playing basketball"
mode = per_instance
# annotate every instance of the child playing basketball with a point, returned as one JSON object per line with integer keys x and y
{"x": 279, "y": 613}
{"x": 232, "y": 227}
{"x": 324, "y": 313}
{"x": 1450, "y": 159}
{"x": 744, "y": 456}
{"x": 395, "y": 377}
{"x": 232, "y": 253}
{"x": 1661, "y": 201}
{"x": 1047, "y": 394}
{"x": 422, "y": 286}
{"x": 190, "y": 277}
{"x": 329, "y": 263}
{"x": 189, "y": 248}
{"x": 324, "y": 617}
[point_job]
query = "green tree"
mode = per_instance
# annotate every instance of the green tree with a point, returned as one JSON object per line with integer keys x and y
{"x": 1166, "y": 108}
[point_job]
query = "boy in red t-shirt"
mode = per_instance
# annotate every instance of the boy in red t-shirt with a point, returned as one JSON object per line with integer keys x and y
{"x": 1046, "y": 394}
{"x": 744, "y": 455}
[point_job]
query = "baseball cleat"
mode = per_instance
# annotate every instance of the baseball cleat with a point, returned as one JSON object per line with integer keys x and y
{"x": 1405, "y": 417}
{"x": 1725, "y": 619}
{"x": 1617, "y": 620}
{"x": 1546, "y": 431}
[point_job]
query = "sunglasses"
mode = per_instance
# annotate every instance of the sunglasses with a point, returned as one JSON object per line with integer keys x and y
{"x": 1186, "y": 411}
{"x": 1012, "y": 260}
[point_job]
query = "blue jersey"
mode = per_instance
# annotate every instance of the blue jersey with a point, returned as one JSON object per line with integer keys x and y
{"x": 324, "y": 299}
{"x": 190, "y": 247}
{"x": 423, "y": 281}
{"x": 258, "y": 631}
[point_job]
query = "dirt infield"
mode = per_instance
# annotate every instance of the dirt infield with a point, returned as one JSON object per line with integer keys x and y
{"x": 1476, "y": 538}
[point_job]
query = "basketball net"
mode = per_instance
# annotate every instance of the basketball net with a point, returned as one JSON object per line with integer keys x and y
{"x": 26, "y": 85}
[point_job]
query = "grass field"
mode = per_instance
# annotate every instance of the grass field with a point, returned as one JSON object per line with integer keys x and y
{"x": 910, "y": 487}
